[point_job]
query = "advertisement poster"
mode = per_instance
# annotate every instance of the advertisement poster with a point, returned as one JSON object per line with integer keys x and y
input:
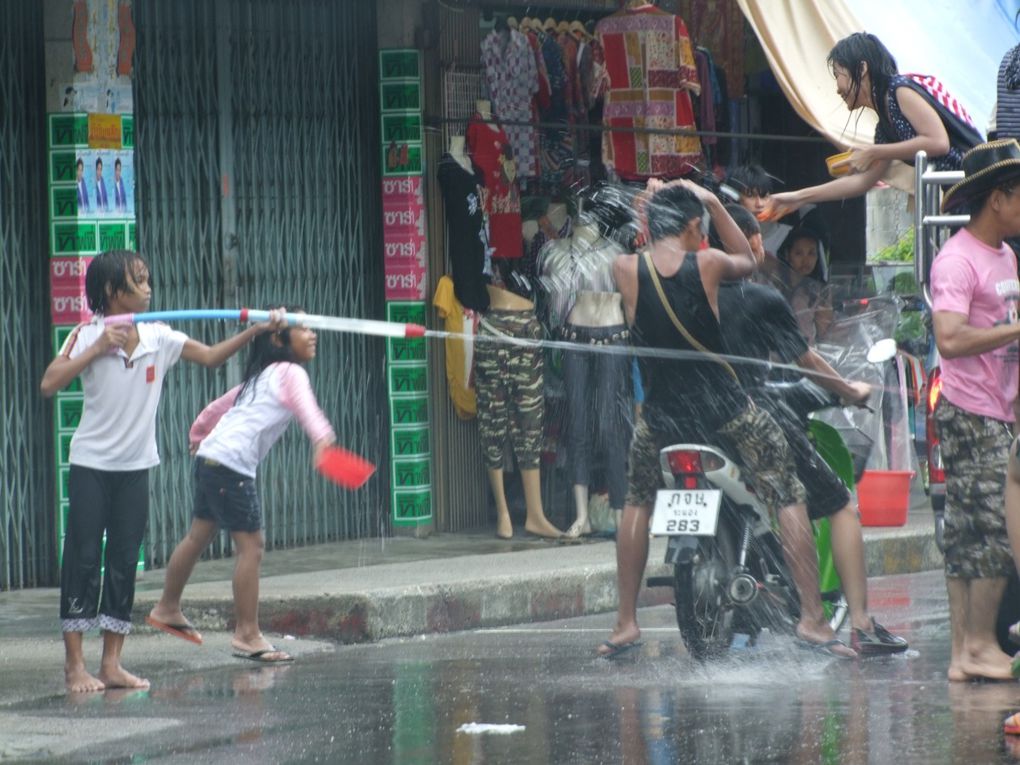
{"x": 104, "y": 184}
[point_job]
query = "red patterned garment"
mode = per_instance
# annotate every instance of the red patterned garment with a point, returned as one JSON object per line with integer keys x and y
{"x": 490, "y": 151}
{"x": 651, "y": 77}
{"x": 542, "y": 97}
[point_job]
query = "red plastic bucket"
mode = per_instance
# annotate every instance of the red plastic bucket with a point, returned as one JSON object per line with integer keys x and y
{"x": 883, "y": 497}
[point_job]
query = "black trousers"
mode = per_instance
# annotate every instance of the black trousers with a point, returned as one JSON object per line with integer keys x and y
{"x": 116, "y": 502}
{"x": 599, "y": 406}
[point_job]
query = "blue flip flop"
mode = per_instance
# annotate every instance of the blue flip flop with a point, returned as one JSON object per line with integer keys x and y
{"x": 616, "y": 649}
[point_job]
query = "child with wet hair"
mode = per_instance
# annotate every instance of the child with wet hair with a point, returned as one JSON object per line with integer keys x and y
{"x": 122, "y": 367}
{"x": 229, "y": 439}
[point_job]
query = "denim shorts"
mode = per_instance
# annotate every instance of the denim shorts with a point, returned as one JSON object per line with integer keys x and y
{"x": 225, "y": 497}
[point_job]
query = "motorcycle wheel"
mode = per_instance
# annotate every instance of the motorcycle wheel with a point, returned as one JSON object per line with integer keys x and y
{"x": 704, "y": 613}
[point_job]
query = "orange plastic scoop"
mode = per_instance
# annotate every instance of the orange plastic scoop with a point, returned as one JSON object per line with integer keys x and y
{"x": 344, "y": 468}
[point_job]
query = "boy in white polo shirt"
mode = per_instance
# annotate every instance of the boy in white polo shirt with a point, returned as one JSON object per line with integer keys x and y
{"x": 122, "y": 369}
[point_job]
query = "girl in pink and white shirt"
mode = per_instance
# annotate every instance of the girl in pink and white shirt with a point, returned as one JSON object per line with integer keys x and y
{"x": 229, "y": 439}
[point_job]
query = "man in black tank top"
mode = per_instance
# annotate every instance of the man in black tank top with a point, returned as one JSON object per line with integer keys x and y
{"x": 699, "y": 400}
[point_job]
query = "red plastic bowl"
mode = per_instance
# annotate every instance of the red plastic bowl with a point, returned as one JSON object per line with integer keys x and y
{"x": 883, "y": 497}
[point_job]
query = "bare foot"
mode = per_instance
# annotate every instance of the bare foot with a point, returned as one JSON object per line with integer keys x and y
{"x": 987, "y": 663}
{"x": 504, "y": 529}
{"x": 621, "y": 635}
{"x": 77, "y": 680}
{"x": 957, "y": 675}
{"x": 542, "y": 528}
{"x": 118, "y": 677}
{"x": 579, "y": 528}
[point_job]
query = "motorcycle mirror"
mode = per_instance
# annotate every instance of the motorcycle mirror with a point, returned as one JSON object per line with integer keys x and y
{"x": 883, "y": 350}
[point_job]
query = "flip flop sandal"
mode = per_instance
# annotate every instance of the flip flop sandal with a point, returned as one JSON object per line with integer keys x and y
{"x": 1011, "y": 726}
{"x": 827, "y": 648}
{"x": 183, "y": 631}
{"x": 617, "y": 649}
{"x": 261, "y": 656}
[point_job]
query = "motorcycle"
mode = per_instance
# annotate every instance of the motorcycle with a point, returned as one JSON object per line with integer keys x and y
{"x": 730, "y": 578}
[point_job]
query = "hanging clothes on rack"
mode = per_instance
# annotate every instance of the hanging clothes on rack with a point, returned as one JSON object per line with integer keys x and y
{"x": 555, "y": 146}
{"x": 652, "y": 75}
{"x": 512, "y": 80}
{"x": 490, "y": 150}
{"x": 706, "y": 102}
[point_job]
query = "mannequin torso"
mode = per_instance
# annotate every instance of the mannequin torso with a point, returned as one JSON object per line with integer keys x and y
{"x": 459, "y": 153}
{"x": 504, "y": 300}
{"x": 484, "y": 109}
{"x": 578, "y": 274}
{"x": 597, "y": 309}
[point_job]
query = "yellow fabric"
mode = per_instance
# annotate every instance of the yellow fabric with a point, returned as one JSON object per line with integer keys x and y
{"x": 450, "y": 309}
{"x": 797, "y": 36}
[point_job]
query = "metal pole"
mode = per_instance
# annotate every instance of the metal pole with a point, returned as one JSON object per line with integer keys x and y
{"x": 228, "y": 210}
{"x": 920, "y": 272}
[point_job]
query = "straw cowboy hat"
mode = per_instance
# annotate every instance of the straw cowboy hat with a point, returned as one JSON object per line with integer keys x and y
{"x": 985, "y": 167}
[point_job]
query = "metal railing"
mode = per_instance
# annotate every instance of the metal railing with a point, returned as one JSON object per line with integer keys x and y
{"x": 929, "y": 224}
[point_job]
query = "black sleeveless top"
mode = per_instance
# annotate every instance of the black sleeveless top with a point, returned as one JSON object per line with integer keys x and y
{"x": 694, "y": 395}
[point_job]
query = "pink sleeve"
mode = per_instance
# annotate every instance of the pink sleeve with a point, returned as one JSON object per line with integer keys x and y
{"x": 952, "y": 285}
{"x": 207, "y": 419}
{"x": 297, "y": 396}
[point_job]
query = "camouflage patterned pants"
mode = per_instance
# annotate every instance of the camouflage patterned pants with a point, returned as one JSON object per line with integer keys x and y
{"x": 752, "y": 435}
{"x": 975, "y": 451}
{"x": 508, "y": 385}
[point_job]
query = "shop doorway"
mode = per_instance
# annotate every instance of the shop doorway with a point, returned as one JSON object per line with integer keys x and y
{"x": 256, "y": 152}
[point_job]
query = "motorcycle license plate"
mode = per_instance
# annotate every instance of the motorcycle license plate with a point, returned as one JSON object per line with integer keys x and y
{"x": 690, "y": 511}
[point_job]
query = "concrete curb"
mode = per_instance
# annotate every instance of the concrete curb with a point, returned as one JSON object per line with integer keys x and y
{"x": 372, "y": 603}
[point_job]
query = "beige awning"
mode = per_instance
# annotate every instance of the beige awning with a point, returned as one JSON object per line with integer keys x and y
{"x": 797, "y": 36}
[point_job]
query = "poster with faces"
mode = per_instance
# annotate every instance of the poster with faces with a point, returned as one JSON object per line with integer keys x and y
{"x": 105, "y": 184}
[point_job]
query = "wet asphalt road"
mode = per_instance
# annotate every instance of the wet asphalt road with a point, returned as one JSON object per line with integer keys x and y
{"x": 403, "y": 702}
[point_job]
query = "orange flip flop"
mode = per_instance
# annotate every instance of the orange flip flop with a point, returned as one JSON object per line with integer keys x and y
{"x": 1011, "y": 727}
{"x": 183, "y": 631}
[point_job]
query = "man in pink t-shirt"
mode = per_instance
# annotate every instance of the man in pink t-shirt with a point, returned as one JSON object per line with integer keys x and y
{"x": 975, "y": 294}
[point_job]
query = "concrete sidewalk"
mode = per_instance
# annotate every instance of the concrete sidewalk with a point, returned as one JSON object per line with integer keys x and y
{"x": 367, "y": 590}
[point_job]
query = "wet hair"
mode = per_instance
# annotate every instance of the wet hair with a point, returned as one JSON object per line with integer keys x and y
{"x": 671, "y": 210}
{"x": 862, "y": 48}
{"x": 750, "y": 180}
{"x": 744, "y": 219}
{"x": 109, "y": 270}
{"x": 263, "y": 351}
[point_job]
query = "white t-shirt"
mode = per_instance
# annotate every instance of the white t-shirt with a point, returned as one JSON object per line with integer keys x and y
{"x": 118, "y": 425}
{"x": 238, "y": 432}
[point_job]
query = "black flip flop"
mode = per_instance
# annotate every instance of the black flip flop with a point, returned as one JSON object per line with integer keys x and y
{"x": 260, "y": 656}
{"x": 825, "y": 648}
{"x": 617, "y": 649}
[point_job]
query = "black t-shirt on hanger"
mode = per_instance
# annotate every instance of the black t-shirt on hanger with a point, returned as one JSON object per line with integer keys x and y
{"x": 466, "y": 233}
